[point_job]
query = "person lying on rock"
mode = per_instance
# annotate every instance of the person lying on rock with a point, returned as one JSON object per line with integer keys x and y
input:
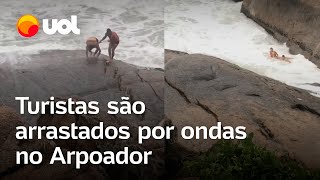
{"x": 273, "y": 53}
{"x": 113, "y": 43}
{"x": 93, "y": 42}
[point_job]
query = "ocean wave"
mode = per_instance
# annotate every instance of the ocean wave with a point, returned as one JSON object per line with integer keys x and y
{"x": 217, "y": 28}
{"x": 140, "y": 44}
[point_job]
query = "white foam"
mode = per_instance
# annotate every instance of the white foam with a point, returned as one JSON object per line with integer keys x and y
{"x": 139, "y": 23}
{"x": 217, "y": 28}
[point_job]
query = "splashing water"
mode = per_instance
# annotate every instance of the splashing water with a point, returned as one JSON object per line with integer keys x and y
{"x": 139, "y": 23}
{"x": 217, "y": 28}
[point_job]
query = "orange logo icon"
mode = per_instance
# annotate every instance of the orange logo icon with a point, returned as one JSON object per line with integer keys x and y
{"x": 28, "y": 25}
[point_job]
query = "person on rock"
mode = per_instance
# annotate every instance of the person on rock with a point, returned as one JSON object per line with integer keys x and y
{"x": 93, "y": 42}
{"x": 273, "y": 53}
{"x": 113, "y": 43}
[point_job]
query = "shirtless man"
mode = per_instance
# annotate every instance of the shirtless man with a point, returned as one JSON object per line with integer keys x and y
{"x": 93, "y": 42}
{"x": 273, "y": 53}
{"x": 113, "y": 42}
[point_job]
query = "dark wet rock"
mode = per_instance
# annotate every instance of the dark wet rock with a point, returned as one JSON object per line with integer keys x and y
{"x": 315, "y": 84}
{"x": 57, "y": 172}
{"x": 295, "y": 22}
{"x": 202, "y": 90}
{"x": 9, "y": 145}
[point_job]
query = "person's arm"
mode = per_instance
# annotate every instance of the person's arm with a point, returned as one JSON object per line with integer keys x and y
{"x": 105, "y": 36}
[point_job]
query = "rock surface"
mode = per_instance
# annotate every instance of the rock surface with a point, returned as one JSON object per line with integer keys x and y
{"x": 202, "y": 90}
{"x": 9, "y": 145}
{"x": 66, "y": 74}
{"x": 199, "y": 91}
{"x": 295, "y": 22}
{"x": 69, "y": 74}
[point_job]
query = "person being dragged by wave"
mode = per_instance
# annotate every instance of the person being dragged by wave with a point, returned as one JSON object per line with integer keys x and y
{"x": 113, "y": 43}
{"x": 284, "y": 58}
{"x": 274, "y": 54}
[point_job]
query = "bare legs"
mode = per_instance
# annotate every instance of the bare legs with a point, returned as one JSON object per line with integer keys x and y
{"x": 89, "y": 50}
{"x": 111, "y": 50}
{"x": 98, "y": 50}
{"x": 109, "y": 53}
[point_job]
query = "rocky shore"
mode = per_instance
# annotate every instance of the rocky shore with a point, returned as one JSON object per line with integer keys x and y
{"x": 65, "y": 74}
{"x": 202, "y": 90}
{"x": 68, "y": 74}
{"x": 197, "y": 90}
{"x": 295, "y": 22}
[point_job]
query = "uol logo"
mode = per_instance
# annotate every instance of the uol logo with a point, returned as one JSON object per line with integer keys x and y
{"x": 28, "y": 26}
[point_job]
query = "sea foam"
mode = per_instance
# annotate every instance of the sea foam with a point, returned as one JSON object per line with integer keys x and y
{"x": 217, "y": 28}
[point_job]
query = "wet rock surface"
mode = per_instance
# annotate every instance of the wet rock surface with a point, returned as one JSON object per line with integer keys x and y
{"x": 202, "y": 90}
{"x": 295, "y": 22}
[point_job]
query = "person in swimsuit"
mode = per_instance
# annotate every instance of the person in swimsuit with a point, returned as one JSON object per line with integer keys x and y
{"x": 93, "y": 42}
{"x": 273, "y": 53}
{"x": 113, "y": 42}
{"x": 284, "y": 58}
